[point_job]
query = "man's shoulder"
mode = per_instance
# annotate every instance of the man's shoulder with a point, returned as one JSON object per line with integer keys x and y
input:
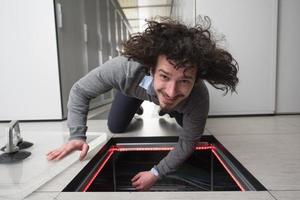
{"x": 121, "y": 61}
{"x": 200, "y": 90}
{"x": 130, "y": 66}
{"x": 198, "y": 99}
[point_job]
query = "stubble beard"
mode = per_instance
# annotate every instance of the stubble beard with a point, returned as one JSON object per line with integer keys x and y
{"x": 168, "y": 108}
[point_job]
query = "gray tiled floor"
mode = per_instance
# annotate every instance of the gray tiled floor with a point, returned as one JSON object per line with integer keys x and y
{"x": 273, "y": 159}
{"x": 286, "y": 195}
{"x": 169, "y": 196}
{"x": 64, "y": 178}
{"x": 275, "y": 125}
{"x": 268, "y": 146}
{"x": 42, "y": 196}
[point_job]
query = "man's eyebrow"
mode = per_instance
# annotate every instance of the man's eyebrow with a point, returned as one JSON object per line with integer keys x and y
{"x": 163, "y": 71}
{"x": 185, "y": 76}
{"x": 188, "y": 77}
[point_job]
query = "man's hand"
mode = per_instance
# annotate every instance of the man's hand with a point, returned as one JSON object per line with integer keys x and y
{"x": 67, "y": 148}
{"x": 144, "y": 180}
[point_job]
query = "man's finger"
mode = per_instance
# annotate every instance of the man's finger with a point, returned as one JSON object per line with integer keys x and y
{"x": 62, "y": 154}
{"x": 84, "y": 151}
{"x": 139, "y": 187}
{"x": 53, "y": 155}
{"x": 135, "y": 184}
{"x": 136, "y": 177}
{"x": 50, "y": 152}
{"x": 50, "y": 157}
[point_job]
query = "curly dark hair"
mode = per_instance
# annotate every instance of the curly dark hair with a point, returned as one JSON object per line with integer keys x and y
{"x": 184, "y": 47}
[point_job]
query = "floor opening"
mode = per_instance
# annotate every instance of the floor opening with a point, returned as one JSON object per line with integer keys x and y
{"x": 210, "y": 168}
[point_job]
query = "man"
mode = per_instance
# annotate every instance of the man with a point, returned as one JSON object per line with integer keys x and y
{"x": 166, "y": 64}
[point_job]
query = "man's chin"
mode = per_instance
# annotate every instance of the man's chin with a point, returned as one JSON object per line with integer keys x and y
{"x": 166, "y": 108}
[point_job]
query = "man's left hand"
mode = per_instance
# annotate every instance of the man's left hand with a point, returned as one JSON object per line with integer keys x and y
{"x": 144, "y": 180}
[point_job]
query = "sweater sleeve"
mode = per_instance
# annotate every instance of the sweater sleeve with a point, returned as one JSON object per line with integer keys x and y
{"x": 193, "y": 127}
{"x": 114, "y": 73}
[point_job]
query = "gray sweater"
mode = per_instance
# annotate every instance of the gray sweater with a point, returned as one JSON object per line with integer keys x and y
{"x": 127, "y": 76}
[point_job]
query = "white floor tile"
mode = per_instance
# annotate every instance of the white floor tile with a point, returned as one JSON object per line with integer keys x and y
{"x": 286, "y": 195}
{"x": 42, "y": 196}
{"x": 273, "y": 159}
{"x": 168, "y": 196}
{"x": 276, "y": 125}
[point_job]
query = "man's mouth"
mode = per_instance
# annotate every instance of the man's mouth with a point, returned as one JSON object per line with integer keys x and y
{"x": 168, "y": 100}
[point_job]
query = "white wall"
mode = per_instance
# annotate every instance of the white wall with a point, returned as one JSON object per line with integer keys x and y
{"x": 250, "y": 29}
{"x": 288, "y": 81}
{"x": 184, "y": 10}
{"x": 29, "y": 74}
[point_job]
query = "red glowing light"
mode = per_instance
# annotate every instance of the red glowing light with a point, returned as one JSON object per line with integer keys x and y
{"x": 98, "y": 171}
{"x": 227, "y": 169}
{"x": 123, "y": 149}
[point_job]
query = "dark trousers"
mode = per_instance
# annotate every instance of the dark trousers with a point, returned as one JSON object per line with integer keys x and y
{"x": 122, "y": 111}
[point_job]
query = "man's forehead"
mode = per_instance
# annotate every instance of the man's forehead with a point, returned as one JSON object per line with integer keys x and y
{"x": 189, "y": 72}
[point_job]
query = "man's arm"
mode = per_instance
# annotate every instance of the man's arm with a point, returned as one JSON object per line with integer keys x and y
{"x": 112, "y": 74}
{"x": 193, "y": 128}
{"x": 193, "y": 125}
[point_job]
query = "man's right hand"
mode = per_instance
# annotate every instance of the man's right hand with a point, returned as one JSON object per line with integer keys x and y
{"x": 67, "y": 148}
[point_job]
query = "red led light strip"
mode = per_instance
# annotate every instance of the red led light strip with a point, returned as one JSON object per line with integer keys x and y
{"x": 122, "y": 149}
{"x": 98, "y": 171}
{"x": 229, "y": 172}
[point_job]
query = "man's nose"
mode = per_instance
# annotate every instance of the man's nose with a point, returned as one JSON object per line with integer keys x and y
{"x": 171, "y": 89}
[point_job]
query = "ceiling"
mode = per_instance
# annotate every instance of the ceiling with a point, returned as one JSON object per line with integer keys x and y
{"x": 136, "y": 11}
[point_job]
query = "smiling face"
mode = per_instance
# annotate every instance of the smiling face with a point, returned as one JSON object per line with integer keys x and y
{"x": 172, "y": 85}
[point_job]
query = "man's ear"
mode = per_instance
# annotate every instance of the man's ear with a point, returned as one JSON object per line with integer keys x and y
{"x": 152, "y": 71}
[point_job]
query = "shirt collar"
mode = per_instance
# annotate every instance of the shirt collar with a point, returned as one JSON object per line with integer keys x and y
{"x": 147, "y": 84}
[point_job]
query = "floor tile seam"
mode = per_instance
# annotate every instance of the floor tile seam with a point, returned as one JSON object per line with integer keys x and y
{"x": 285, "y": 190}
{"x": 286, "y": 126}
{"x": 288, "y": 122}
{"x": 249, "y": 122}
{"x": 254, "y": 134}
{"x": 272, "y": 195}
{"x": 57, "y": 196}
{"x": 47, "y": 190}
{"x": 44, "y": 191}
{"x": 208, "y": 131}
{"x": 295, "y": 125}
{"x": 49, "y": 194}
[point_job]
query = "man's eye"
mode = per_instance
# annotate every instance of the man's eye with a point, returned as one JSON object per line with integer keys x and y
{"x": 164, "y": 77}
{"x": 185, "y": 81}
